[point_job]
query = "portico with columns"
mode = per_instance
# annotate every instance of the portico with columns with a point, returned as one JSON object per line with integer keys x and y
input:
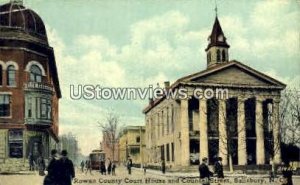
{"x": 239, "y": 122}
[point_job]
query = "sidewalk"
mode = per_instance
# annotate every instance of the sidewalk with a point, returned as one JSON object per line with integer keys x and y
{"x": 20, "y": 173}
{"x": 196, "y": 174}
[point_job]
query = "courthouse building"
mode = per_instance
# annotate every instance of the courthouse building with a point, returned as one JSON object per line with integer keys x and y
{"x": 29, "y": 88}
{"x": 243, "y": 127}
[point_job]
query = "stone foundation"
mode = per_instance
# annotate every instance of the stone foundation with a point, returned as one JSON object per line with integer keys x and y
{"x": 13, "y": 165}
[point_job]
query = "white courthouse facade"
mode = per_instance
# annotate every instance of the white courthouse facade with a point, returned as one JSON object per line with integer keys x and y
{"x": 244, "y": 127}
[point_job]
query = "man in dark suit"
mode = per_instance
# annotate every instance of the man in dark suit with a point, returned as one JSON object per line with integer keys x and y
{"x": 52, "y": 176}
{"x": 204, "y": 172}
{"x": 66, "y": 169}
{"x": 219, "y": 168}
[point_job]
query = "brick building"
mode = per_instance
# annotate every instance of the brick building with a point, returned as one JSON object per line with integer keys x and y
{"x": 29, "y": 88}
{"x": 110, "y": 147}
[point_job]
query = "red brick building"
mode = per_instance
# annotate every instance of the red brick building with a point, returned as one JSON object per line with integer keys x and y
{"x": 110, "y": 148}
{"x": 29, "y": 88}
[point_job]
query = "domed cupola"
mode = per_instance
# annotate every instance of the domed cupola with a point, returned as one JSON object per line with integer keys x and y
{"x": 19, "y": 20}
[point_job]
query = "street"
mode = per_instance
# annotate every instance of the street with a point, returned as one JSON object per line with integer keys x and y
{"x": 137, "y": 177}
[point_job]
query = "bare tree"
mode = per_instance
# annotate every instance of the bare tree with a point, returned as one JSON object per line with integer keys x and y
{"x": 290, "y": 116}
{"x": 111, "y": 128}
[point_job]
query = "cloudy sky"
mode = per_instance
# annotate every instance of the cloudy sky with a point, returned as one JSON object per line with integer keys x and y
{"x": 135, "y": 43}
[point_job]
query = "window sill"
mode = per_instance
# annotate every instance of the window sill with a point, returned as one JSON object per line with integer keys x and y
{"x": 5, "y": 117}
{"x": 11, "y": 86}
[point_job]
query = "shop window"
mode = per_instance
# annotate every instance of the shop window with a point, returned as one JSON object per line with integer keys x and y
{"x": 15, "y": 141}
{"x": 134, "y": 151}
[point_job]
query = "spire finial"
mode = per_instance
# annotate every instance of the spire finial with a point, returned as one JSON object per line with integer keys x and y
{"x": 216, "y": 8}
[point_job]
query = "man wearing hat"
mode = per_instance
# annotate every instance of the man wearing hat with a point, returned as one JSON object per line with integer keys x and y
{"x": 204, "y": 172}
{"x": 67, "y": 172}
{"x": 52, "y": 176}
{"x": 219, "y": 168}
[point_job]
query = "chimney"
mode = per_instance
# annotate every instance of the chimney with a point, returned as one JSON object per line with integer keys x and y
{"x": 167, "y": 84}
{"x": 17, "y": 2}
{"x": 151, "y": 101}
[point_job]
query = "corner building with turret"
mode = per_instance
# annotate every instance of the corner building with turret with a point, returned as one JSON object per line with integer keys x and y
{"x": 29, "y": 88}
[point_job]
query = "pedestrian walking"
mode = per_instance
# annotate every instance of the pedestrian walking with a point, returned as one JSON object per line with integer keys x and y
{"x": 41, "y": 165}
{"x": 272, "y": 170}
{"x": 52, "y": 168}
{"x": 163, "y": 166}
{"x": 113, "y": 168}
{"x": 88, "y": 166}
{"x": 129, "y": 165}
{"x": 145, "y": 168}
{"x": 219, "y": 168}
{"x": 31, "y": 162}
{"x": 102, "y": 168}
{"x": 66, "y": 169}
{"x": 204, "y": 172}
{"x": 82, "y": 166}
{"x": 287, "y": 173}
{"x": 109, "y": 166}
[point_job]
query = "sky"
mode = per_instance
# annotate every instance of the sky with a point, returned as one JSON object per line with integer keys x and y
{"x": 137, "y": 43}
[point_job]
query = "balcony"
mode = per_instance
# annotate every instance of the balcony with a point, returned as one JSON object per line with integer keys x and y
{"x": 38, "y": 122}
{"x": 37, "y": 86}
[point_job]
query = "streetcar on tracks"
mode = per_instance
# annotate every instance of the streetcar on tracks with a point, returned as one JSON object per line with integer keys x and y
{"x": 96, "y": 156}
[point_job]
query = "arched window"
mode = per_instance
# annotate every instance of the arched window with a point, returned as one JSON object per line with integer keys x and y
{"x": 223, "y": 55}
{"x": 35, "y": 74}
{"x": 218, "y": 56}
{"x": 11, "y": 75}
{"x": 208, "y": 57}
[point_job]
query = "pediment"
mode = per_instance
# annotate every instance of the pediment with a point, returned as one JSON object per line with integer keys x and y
{"x": 234, "y": 73}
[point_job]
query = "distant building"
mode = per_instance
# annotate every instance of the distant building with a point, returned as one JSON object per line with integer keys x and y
{"x": 244, "y": 127}
{"x": 132, "y": 143}
{"x": 110, "y": 148}
{"x": 69, "y": 142}
{"x": 29, "y": 88}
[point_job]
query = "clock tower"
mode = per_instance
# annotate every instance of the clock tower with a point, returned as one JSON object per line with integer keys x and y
{"x": 217, "y": 49}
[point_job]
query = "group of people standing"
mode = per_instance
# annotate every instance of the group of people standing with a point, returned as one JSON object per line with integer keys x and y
{"x": 205, "y": 173}
{"x": 103, "y": 169}
{"x": 37, "y": 164}
{"x": 60, "y": 169}
{"x": 110, "y": 169}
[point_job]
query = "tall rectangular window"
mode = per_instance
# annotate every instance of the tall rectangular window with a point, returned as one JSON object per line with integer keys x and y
{"x": 167, "y": 120}
{"x": 15, "y": 141}
{"x": 46, "y": 108}
{"x": 29, "y": 107}
{"x": 1, "y": 74}
{"x": 168, "y": 152}
{"x": 11, "y": 75}
{"x": 4, "y": 105}
{"x": 172, "y": 151}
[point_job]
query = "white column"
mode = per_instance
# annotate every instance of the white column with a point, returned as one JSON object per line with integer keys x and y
{"x": 223, "y": 152}
{"x": 276, "y": 132}
{"x": 185, "y": 138}
{"x": 259, "y": 129}
{"x": 241, "y": 126}
{"x": 203, "y": 129}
